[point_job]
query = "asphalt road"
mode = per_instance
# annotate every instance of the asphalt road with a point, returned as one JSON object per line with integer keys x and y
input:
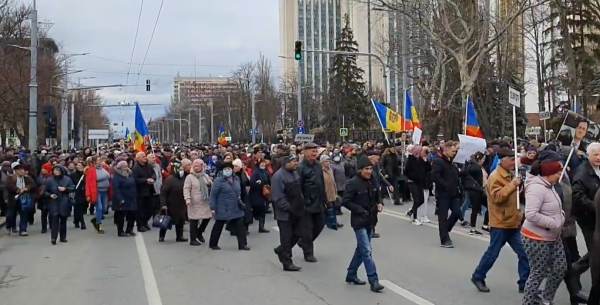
{"x": 97, "y": 269}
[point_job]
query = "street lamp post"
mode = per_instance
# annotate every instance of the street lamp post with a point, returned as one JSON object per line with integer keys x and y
{"x": 64, "y": 107}
{"x": 33, "y": 80}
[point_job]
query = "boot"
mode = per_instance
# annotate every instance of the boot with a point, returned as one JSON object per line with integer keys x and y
{"x": 291, "y": 267}
{"x": 375, "y": 286}
{"x": 261, "y": 226}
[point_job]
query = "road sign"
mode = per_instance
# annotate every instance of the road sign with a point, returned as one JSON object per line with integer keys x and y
{"x": 343, "y": 132}
{"x": 300, "y": 130}
{"x": 304, "y": 137}
{"x": 514, "y": 97}
{"x": 98, "y": 134}
{"x": 545, "y": 115}
{"x": 300, "y": 124}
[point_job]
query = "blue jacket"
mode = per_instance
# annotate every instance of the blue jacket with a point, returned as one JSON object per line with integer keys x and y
{"x": 225, "y": 198}
{"x": 62, "y": 204}
{"x": 124, "y": 192}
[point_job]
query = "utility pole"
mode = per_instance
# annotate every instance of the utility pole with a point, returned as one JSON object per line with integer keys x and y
{"x": 369, "y": 46}
{"x": 64, "y": 109}
{"x": 229, "y": 111}
{"x": 253, "y": 102}
{"x": 189, "y": 134}
{"x": 212, "y": 122}
{"x": 33, "y": 81}
{"x": 199, "y": 124}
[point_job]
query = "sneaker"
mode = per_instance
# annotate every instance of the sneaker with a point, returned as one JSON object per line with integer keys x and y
{"x": 417, "y": 222}
{"x": 465, "y": 223}
{"x": 24, "y": 233}
{"x": 425, "y": 219}
{"x": 447, "y": 244}
{"x": 376, "y": 235}
{"x": 480, "y": 285}
{"x": 474, "y": 232}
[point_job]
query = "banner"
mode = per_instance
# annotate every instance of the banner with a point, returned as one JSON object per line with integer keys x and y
{"x": 468, "y": 146}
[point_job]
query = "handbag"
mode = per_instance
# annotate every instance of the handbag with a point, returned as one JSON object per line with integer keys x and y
{"x": 266, "y": 191}
{"x": 162, "y": 221}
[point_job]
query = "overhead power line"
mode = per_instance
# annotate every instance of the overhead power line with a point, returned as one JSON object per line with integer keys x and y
{"x": 151, "y": 38}
{"x": 137, "y": 30}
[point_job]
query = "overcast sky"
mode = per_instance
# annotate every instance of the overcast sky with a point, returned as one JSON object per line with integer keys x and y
{"x": 193, "y": 37}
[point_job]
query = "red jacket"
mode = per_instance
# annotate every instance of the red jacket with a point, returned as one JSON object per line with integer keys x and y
{"x": 91, "y": 190}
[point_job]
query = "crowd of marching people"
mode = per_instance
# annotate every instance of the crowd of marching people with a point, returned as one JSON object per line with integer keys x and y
{"x": 306, "y": 186}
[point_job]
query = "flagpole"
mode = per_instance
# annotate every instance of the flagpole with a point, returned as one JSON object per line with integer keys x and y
{"x": 467, "y": 113}
{"x": 380, "y": 123}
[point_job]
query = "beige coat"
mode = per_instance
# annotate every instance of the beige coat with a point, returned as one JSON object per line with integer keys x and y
{"x": 197, "y": 203}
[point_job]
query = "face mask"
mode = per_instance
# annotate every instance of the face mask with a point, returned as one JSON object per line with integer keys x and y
{"x": 227, "y": 172}
{"x": 337, "y": 159}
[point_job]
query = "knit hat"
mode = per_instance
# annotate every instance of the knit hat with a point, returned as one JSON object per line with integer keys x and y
{"x": 122, "y": 164}
{"x": 362, "y": 162}
{"x": 16, "y": 165}
{"x": 549, "y": 168}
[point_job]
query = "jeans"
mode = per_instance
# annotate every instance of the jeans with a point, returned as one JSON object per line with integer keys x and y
{"x": 499, "y": 237}
{"x": 101, "y": 205}
{"x": 447, "y": 223}
{"x": 11, "y": 219}
{"x": 363, "y": 255}
{"x": 331, "y": 217}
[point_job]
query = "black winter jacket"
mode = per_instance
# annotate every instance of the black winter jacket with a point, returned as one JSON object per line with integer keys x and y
{"x": 361, "y": 198}
{"x": 445, "y": 176}
{"x": 313, "y": 186}
{"x": 585, "y": 186}
{"x": 418, "y": 170}
{"x": 141, "y": 173}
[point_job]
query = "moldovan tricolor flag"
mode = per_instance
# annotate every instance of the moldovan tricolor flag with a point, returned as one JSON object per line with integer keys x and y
{"x": 141, "y": 134}
{"x": 411, "y": 118}
{"x": 471, "y": 122}
{"x": 389, "y": 120}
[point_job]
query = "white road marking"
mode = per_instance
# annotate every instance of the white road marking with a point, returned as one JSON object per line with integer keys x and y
{"x": 435, "y": 226}
{"x": 276, "y": 228}
{"x": 152, "y": 293}
{"x": 405, "y": 293}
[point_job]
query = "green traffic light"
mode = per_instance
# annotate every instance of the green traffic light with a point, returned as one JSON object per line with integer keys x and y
{"x": 298, "y": 56}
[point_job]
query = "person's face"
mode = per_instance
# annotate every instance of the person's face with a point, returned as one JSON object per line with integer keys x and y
{"x": 228, "y": 159}
{"x": 198, "y": 167}
{"x": 581, "y": 131}
{"x": 56, "y": 172}
{"x": 80, "y": 167}
{"x": 310, "y": 154}
{"x": 367, "y": 172}
{"x": 194, "y": 155}
{"x": 71, "y": 166}
{"x": 424, "y": 153}
{"x": 236, "y": 169}
{"x": 187, "y": 167}
{"x": 555, "y": 178}
{"x": 142, "y": 159}
{"x": 326, "y": 164}
{"x": 508, "y": 163}
{"x": 292, "y": 165}
{"x": 151, "y": 159}
{"x": 531, "y": 155}
{"x": 451, "y": 151}
{"x": 20, "y": 172}
{"x": 594, "y": 158}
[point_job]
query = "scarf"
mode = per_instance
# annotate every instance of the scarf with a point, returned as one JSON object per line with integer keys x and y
{"x": 203, "y": 190}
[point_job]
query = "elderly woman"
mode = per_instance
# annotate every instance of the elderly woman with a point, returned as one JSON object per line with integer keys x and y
{"x": 173, "y": 202}
{"x": 227, "y": 207}
{"x": 195, "y": 193}
{"x": 330, "y": 192}
{"x": 59, "y": 206}
{"x": 97, "y": 184}
{"x": 258, "y": 182}
{"x": 541, "y": 232}
{"x": 124, "y": 198}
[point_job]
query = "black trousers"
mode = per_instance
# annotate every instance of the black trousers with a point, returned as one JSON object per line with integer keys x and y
{"x": 121, "y": 216}
{"x": 46, "y": 219}
{"x": 178, "y": 231}
{"x": 445, "y": 222}
{"x": 145, "y": 210}
{"x": 396, "y": 195}
{"x": 311, "y": 225}
{"x": 238, "y": 226}
{"x": 198, "y": 227}
{"x": 58, "y": 223}
{"x": 476, "y": 198}
{"x": 288, "y": 238}
{"x": 418, "y": 196}
{"x": 78, "y": 212}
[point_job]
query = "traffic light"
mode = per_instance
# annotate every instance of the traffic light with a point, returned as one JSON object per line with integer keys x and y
{"x": 147, "y": 85}
{"x": 52, "y": 129}
{"x": 298, "y": 50}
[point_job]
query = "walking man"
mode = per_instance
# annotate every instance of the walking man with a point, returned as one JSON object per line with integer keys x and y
{"x": 447, "y": 191}
{"x": 505, "y": 221}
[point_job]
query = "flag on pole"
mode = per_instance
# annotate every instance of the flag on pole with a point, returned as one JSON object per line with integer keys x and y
{"x": 472, "y": 124}
{"x": 411, "y": 118}
{"x": 127, "y": 134}
{"x": 222, "y": 139}
{"x": 388, "y": 119}
{"x": 140, "y": 134}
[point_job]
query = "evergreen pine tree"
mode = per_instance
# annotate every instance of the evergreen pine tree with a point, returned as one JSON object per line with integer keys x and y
{"x": 346, "y": 96}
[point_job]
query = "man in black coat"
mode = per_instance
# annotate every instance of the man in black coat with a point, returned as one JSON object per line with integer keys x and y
{"x": 313, "y": 190}
{"x": 447, "y": 191}
{"x": 361, "y": 197}
{"x": 144, "y": 179}
{"x": 288, "y": 205}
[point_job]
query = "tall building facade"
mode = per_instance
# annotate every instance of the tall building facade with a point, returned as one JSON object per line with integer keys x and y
{"x": 318, "y": 24}
{"x": 194, "y": 90}
{"x": 512, "y": 45}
